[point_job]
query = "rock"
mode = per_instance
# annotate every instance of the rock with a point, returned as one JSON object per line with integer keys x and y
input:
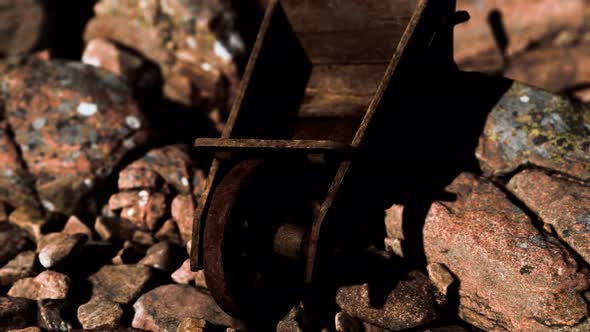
{"x": 16, "y": 184}
{"x": 442, "y": 279}
{"x": 113, "y": 228}
{"x": 29, "y": 220}
{"x": 80, "y": 122}
{"x": 48, "y": 285}
{"x": 104, "y": 54}
{"x": 346, "y": 323}
{"x": 172, "y": 163}
{"x": 184, "y": 275}
{"x": 54, "y": 248}
{"x": 16, "y": 313}
{"x": 293, "y": 321}
{"x": 511, "y": 277}
{"x": 393, "y": 222}
{"x": 169, "y": 232}
{"x": 13, "y": 241}
{"x": 163, "y": 308}
{"x": 191, "y": 325}
{"x": 76, "y": 226}
{"x": 526, "y": 22}
{"x": 135, "y": 177}
{"x": 563, "y": 204}
{"x": 100, "y": 313}
{"x": 410, "y": 304}
{"x": 158, "y": 256}
{"x": 22, "y": 266}
{"x": 27, "y": 329}
{"x": 143, "y": 238}
{"x": 529, "y": 126}
{"x": 120, "y": 283}
{"x": 23, "y": 26}
{"x": 130, "y": 253}
{"x": 177, "y": 35}
{"x": 50, "y": 316}
{"x": 142, "y": 208}
{"x": 183, "y": 210}
{"x": 395, "y": 231}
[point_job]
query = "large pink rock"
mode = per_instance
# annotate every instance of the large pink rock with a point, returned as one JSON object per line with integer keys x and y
{"x": 562, "y": 203}
{"x": 73, "y": 124}
{"x": 511, "y": 277}
{"x": 162, "y": 309}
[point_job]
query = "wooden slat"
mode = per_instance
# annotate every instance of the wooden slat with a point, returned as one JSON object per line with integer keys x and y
{"x": 340, "y": 90}
{"x": 339, "y": 15}
{"x": 350, "y": 47}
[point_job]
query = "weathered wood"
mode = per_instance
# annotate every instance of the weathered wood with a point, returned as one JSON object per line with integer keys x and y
{"x": 341, "y": 90}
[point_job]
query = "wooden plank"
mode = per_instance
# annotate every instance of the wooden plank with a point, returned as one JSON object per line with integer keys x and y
{"x": 342, "y": 15}
{"x": 341, "y": 90}
{"x": 350, "y": 47}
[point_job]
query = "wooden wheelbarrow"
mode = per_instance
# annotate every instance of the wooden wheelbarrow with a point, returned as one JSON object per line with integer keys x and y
{"x": 319, "y": 74}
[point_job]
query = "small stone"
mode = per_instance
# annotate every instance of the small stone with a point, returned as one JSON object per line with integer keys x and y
{"x": 76, "y": 226}
{"x": 184, "y": 275}
{"x": 163, "y": 309}
{"x": 200, "y": 279}
{"x": 183, "y": 209}
{"x": 143, "y": 238}
{"x": 13, "y": 240}
{"x": 100, "y": 313}
{"x": 16, "y": 313}
{"x": 113, "y": 228}
{"x": 169, "y": 232}
{"x": 130, "y": 253}
{"x": 346, "y": 323}
{"x": 54, "y": 248}
{"x": 293, "y": 321}
{"x": 441, "y": 278}
{"x": 393, "y": 222}
{"x": 171, "y": 163}
{"x": 120, "y": 283}
{"x": 102, "y": 53}
{"x": 410, "y": 304}
{"x": 142, "y": 208}
{"x": 137, "y": 178}
{"x": 29, "y": 220}
{"x": 22, "y": 266}
{"x": 158, "y": 256}
{"x": 27, "y": 329}
{"x": 47, "y": 285}
{"x": 190, "y": 324}
{"x": 394, "y": 246}
{"x": 50, "y": 316}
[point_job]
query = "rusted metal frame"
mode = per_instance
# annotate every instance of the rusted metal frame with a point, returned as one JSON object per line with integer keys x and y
{"x": 274, "y": 146}
{"x": 405, "y": 49}
{"x": 196, "y": 257}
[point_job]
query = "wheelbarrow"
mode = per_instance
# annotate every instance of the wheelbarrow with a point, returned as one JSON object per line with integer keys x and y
{"x": 319, "y": 75}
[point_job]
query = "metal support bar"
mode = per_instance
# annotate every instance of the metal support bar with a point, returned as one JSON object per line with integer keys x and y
{"x": 274, "y": 146}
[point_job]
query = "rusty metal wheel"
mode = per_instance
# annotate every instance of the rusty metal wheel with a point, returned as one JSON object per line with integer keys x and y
{"x": 249, "y": 207}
